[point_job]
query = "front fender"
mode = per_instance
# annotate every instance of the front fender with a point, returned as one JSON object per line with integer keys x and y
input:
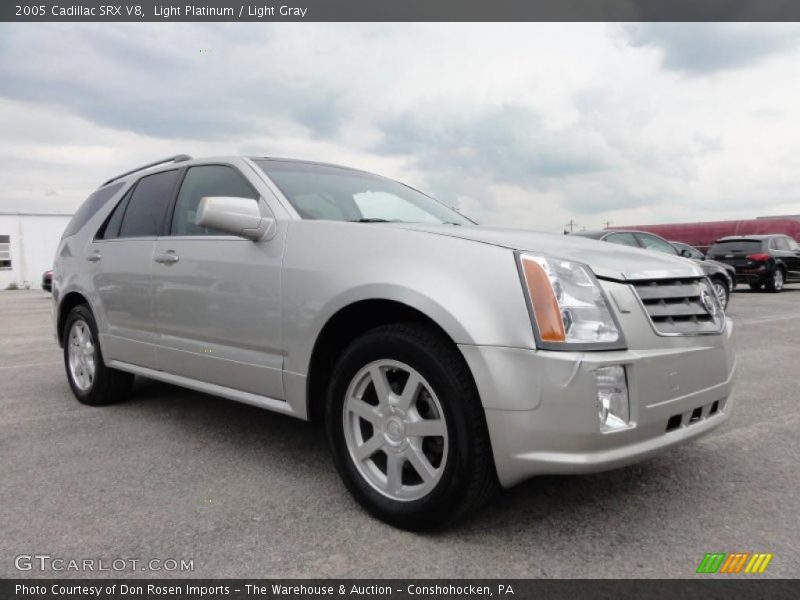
{"x": 470, "y": 289}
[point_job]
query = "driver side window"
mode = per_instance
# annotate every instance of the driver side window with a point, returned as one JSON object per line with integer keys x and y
{"x": 207, "y": 180}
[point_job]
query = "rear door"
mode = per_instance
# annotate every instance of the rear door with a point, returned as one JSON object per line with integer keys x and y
{"x": 121, "y": 256}
{"x": 217, "y": 296}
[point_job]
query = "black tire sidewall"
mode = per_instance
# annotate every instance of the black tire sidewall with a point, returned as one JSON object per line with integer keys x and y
{"x": 83, "y": 313}
{"x": 433, "y": 508}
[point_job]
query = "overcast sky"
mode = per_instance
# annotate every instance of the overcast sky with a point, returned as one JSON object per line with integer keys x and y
{"x": 525, "y": 125}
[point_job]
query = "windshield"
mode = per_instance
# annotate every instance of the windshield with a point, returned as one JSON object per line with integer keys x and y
{"x": 337, "y": 194}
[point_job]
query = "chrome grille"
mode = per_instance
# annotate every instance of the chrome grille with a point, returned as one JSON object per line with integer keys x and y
{"x": 680, "y": 306}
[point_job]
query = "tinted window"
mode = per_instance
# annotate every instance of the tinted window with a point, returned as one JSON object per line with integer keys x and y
{"x": 110, "y": 228}
{"x": 653, "y": 242}
{"x": 211, "y": 180}
{"x": 334, "y": 193}
{"x": 735, "y": 247}
{"x": 145, "y": 212}
{"x": 89, "y": 208}
{"x": 623, "y": 239}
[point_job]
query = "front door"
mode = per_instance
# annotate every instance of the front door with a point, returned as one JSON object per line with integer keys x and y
{"x": 217, "y": 296}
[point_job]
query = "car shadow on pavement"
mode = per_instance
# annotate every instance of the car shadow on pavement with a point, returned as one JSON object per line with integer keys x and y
{"x": 788, "y": 288}
{"x": 283, "y": 448}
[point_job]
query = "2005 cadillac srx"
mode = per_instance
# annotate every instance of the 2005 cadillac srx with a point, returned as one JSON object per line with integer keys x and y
{"x": 443, "y": 357}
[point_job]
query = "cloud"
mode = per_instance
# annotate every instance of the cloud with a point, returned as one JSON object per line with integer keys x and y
{"x": 706, "y": 48}
{"x": 518, "y": 124}
{"x": 507, "y": 144}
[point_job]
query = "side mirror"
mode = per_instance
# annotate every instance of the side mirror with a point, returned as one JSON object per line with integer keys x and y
{"x": 237, "y": 216}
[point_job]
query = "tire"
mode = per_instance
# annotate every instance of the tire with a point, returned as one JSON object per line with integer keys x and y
{"x": 722, "y": 292}
{"x": 462, "y": 476}
{"x": 91, "y": 381}
{"x": 755, "y": 286}
{"x": 776, "y": 281}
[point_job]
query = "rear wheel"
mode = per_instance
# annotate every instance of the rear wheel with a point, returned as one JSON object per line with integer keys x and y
{"x": 91, "y": 381}
{"x": 407, "y": 429}
{"x": 775, "y": 283}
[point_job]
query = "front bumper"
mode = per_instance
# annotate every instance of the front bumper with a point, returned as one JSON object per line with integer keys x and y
{"x": 542, "y": 414}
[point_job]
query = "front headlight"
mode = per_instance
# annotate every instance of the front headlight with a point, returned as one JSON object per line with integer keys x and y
{"x": 567, "y": 305}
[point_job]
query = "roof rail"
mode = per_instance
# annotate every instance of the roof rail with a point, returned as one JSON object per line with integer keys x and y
{"x": 176, "y": 158}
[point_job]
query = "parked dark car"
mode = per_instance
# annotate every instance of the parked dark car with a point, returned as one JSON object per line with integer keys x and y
{"x": 47, "y": 281}
{"x": 767, "y": 261}
{"x": 703, "y": 234}
{"x": 721, "y": 280}
{"x": 688, "y": 251}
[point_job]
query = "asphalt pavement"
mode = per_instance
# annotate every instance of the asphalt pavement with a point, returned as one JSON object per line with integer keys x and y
{"x": 242, "y": 492}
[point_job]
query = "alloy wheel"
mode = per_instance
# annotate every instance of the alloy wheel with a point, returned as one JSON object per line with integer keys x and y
{"x": 80, "y": 353}
{"x": 777, "y": 279}
{"x": 721, "y": 292}
{"x": 395, "y": 430}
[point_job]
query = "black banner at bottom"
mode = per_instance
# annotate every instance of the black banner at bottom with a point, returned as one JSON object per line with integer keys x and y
{"x": 398, "y": 589}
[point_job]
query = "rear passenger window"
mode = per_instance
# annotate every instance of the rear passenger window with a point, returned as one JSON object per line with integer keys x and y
{"x": 209, "y": 180}
{"x": 144, "y": 214}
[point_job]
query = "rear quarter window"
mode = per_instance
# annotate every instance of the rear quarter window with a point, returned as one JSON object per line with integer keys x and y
{"x": 89, "y": 208}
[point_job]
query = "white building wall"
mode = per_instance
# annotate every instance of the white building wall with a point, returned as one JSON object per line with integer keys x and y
{"x": 33, "y": 242}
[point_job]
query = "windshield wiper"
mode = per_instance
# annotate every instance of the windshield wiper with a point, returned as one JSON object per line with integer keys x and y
{"x": 370, "y": 221}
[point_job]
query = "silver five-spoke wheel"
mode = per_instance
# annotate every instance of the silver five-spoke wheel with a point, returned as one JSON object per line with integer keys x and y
{"x": 395, "y": 430}
{"x": 80, "y": 352}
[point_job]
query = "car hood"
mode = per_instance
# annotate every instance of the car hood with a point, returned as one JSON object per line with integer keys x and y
{"x": 610, "y": 261}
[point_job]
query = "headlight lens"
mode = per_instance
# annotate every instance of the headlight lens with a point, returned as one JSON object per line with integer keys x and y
{"x": 567, "y": 303}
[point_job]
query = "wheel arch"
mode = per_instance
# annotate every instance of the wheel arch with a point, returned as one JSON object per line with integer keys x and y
{"x": 344, "y": 326}
{"x": 66, "y": 304}
{"x": 721, "y": 278}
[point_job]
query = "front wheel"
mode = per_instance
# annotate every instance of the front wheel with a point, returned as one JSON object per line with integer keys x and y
{"x": 92, "y": 382}
{"x": 721, "y": 292}
{"x": 407, "y": 429}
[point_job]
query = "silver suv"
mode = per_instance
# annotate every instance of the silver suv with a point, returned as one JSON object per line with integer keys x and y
{"x": 444, "y": 358}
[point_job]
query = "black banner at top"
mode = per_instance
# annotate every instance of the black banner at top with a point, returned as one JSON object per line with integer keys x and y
{"x": 397, "y": 10}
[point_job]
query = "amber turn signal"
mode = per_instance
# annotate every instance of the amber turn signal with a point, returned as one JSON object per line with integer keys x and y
{"x": 543, "y": 301}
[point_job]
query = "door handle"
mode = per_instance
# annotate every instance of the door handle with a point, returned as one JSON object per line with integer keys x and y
{"x": 166, "y": 258}
{"x": 94, "y": 256}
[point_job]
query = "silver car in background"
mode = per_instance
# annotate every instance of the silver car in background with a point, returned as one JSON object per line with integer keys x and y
{"x": 444, "y": 358}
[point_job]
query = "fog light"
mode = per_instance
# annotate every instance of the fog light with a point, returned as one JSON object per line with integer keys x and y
{"x": 612, "y": 398}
